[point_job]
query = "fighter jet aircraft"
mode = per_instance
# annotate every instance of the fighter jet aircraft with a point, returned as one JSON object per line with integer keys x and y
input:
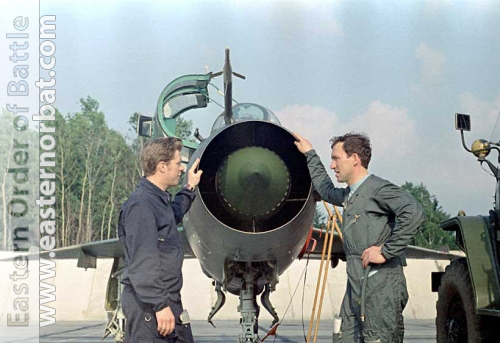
{"x": 254, "y": 205}
{"x": 254, "y": 208}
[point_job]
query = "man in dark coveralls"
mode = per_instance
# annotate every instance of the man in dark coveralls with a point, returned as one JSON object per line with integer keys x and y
{"x": 379, "y": 221}
{"x": 153, "y": 250}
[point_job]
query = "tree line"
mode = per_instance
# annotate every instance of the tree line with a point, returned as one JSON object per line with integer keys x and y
{"x": 97, "y": 168}
{"x": 429, "y": 235}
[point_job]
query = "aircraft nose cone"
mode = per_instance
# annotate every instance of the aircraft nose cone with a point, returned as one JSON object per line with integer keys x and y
{"x": 253, "y": 182}
{"x": 254, "y": 176}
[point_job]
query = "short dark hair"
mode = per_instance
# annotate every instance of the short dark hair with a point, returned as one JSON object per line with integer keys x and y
{"x": 158, "y": 150}
{"x": 355, "y": 143}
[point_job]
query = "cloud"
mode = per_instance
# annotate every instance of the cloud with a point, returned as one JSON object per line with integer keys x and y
{"x": 328, "y": 25}
{"x": 305, "y": 119}
{"x": 303, "y": 20}
{"x": 403, "y": 151}
{"x": 317, "y": 124}
{"x": 451, "y": 173}
{"x": 391, "y": 130}
{"x": 483, "y": 115}
{"x": 432, "y": 62}
{"x": 322, "y": 17}
{"x": 431, "y": 78}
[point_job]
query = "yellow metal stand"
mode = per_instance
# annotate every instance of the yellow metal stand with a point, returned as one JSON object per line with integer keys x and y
{"x": 323, "y": 269}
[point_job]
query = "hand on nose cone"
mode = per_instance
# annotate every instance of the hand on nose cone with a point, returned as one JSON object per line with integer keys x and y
{"x": 302, "y": 144}
{"x": 193, "y": 175}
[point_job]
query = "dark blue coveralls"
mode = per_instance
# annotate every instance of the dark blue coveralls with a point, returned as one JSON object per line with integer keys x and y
{"x": 153, "y": 261}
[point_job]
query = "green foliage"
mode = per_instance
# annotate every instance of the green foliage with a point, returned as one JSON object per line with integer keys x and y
{"x": 133, "y": 121}
{"x": 319, "y": 220}
{"x": 184, "y": 129}
{"x": 19, "y": 188}
{"x": 94, "y": 172}
{"x": 96, "y": 169}
{"x": 430, "y": 235}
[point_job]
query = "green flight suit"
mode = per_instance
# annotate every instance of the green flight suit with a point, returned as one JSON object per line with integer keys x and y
{"x": 377, "y": 213}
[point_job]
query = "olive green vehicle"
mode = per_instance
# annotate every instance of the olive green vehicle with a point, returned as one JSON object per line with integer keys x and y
{"x": 468, "y": 306}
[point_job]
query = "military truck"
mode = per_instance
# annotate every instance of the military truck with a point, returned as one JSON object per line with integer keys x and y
{"x": 468, "y": 306}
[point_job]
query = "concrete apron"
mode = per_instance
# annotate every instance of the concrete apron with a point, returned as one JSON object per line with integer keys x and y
{"x": 80, "y": 294}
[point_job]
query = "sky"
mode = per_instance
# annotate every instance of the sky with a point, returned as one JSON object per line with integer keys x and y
{"x": 395, "y": 70}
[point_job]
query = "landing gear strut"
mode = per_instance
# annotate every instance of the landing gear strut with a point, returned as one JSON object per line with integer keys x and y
{"x": 249, "y": 310}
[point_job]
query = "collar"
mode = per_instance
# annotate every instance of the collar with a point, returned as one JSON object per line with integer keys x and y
{"x": 355, "y": 186}
{"x": 164, "y": 195}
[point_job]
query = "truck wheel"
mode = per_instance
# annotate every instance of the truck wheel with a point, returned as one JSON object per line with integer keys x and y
{"x": 457, "y": 321}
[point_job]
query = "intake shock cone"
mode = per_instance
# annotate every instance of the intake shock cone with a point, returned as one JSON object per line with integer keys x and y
{"x": 253, "y": 182}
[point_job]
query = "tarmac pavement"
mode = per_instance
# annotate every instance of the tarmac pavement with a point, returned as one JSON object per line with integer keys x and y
{"x": 227, "y": 331}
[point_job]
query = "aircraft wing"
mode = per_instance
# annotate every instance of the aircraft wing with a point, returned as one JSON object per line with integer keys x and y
{"x": 411, "y": 251}
{"x": 88, "y": 252}
{"x": 100, "y": 249}
{"x": 429, "y": 254}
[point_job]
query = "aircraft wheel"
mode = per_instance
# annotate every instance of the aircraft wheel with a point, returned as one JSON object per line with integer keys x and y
{"x": 457, "y": 321}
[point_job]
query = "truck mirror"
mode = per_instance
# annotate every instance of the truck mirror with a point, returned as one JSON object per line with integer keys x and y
{"x": 144, "y": 126}
{"x": 462, "y": 122}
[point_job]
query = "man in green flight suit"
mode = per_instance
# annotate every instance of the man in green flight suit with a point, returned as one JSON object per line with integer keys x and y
{"x": 379, "y": 221}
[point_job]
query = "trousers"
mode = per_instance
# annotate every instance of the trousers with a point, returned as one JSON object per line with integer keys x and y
{"x": 141, "y": 325}
{"x": 386, "y": 297}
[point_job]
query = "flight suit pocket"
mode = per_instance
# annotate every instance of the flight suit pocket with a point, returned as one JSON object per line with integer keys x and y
{"x": 167, "y": 242}
{"x": 163, "y": 241}
{"x": 380, "y": 301}
{"x": 386, "y": 298}
{"x": 170, "y": 255}
{"x": 356, "y": 233}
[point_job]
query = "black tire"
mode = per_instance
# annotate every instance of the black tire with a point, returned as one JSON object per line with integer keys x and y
{"x": 456, "y": 320}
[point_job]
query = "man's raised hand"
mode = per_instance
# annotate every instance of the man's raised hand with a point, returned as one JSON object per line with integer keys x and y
{"x": 302, "y": 144}
{"x": 193, "y": 177}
